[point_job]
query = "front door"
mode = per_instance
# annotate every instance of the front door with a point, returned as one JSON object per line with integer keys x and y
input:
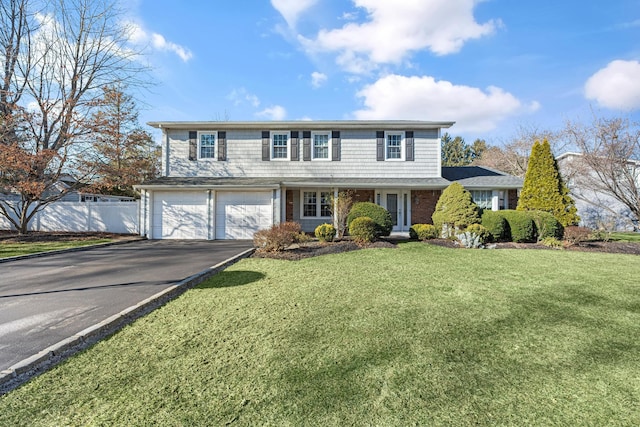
{"x": 397, "y": 203}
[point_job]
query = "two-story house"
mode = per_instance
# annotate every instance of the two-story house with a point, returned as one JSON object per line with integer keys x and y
{"x": 226, "y": 180}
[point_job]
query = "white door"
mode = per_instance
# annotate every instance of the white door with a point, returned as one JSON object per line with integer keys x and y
{"x": 180, "y": 215}
{"x": 397, "y": 203}
{"x": 240, "y": 214}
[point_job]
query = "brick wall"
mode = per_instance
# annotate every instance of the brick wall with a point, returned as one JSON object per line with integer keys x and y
{"x": 289, "y": 209}
{"x": 363, "y": 195}
{"x": 513, "y": 199}
{"x": 423, "y": 203}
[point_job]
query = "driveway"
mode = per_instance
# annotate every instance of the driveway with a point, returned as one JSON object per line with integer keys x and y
{"x": 45, "y": 300}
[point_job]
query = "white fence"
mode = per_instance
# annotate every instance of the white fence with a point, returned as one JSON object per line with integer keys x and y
{"x": 112, "y": 217}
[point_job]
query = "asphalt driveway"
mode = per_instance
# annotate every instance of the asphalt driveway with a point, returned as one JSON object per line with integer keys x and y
{"x": 45, "y": 300}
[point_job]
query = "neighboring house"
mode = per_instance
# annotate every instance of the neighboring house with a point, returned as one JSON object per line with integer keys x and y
{"x": 226, "y": 180}
{"x": 597, "y": 209}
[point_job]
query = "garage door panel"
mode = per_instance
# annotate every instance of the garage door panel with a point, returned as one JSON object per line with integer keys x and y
{"x": 180, "y": 215}
{"x": 240, "y": 214}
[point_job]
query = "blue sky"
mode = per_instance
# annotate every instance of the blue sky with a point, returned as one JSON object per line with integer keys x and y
{"x": 491, "y": 65}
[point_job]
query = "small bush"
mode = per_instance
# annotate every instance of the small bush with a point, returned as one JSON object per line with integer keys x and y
{"x": 552, "y": 242}
{"x": 325, "y": 232}
{"x": 380, "y": 216}
{"x": 546, "y": 224}
{"x": 496, "y": 225}
{"x": 455, "y": 210}
{"x": 278, "y": 237}
{"x": 423, "y": 232}
{"x": 521, "y": 226}
{"x": 480, "y": 231}
{"x": 363, "y": 230}
{"x": 600, "y": 235}
{"x": 574, "y": 234}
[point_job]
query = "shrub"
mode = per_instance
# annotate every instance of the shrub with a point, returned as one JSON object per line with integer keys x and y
{"x": 600, "y": 235}
{"x": 546, "y": 224}
{"x": 552, "y": 242}
{"x": 380, "y": 216}
{"x": 423, "y": 231}
{"x": 496, "y": 225}
{"x": 363, "y": 230}
{"x": 480, "y": 231}
{"x": 574, "y": 234}
{"x": 325, "y": 232}
{"x": 455, "y": 210}
{"x": 278, "y": 237}
{"x": 473, "y": 237}
{"x": 521, "y": 226}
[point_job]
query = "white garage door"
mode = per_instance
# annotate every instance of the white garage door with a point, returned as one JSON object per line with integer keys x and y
{"x": 180, "y": 215}
{"x": 239, "y": 215}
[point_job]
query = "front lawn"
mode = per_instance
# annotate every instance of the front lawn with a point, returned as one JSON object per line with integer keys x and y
{"x": 25, "y": 248}
{"x": 418, "y": 335}
{"x": 625, "y": 236}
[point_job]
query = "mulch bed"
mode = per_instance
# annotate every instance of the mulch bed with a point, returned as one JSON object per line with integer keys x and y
{"x": 311, "y": 249}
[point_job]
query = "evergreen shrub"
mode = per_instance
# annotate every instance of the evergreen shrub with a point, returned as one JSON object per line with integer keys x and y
{"x": 380, "y": 216}
{"x": 496, "y": 225}
{"x": 325, "y": 232}
{"x": 521, "y": 226}
{"x": 423, "y": 232}
{"x": 363, "y": 230}
{"x": 455, "y": 210}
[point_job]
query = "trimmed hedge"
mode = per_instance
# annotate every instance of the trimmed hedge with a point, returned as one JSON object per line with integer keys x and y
{"x": 423, "y": 232}
{"x": 380, "y": 216}
{"x": 521, "y": 226}
{"x": 497, "y": 226}
{"x": 363, "y": 230}
{"x": 325, "y": 232}
{"x": 546, "y": 224}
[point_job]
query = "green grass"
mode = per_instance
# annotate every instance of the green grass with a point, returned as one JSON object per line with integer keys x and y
{"x": 419, "y": 335}
{"x": 628, "y": 236}
{"x": 15, "y": 249}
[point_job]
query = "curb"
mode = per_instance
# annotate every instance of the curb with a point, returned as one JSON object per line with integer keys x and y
{"x": 46, "y": 359}
{"x": 76, "y": 249}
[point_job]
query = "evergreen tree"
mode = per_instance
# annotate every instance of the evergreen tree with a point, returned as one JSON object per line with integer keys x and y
{"x": 544, "y": 189}
{"x": 455, "y": 209}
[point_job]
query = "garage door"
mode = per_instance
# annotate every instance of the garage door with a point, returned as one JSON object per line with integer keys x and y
{"x": 180, "y": 215}
{"x": 239, "y": 215}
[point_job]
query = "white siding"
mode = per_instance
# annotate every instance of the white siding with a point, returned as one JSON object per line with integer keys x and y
{"x": 358, "y": 154}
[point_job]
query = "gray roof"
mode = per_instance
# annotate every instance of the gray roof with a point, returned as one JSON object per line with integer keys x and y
{"x": 305, "y": 124}
{"x": 480, "y": 177}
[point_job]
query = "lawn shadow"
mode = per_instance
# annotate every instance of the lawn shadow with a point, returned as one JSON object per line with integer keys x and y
{"x": 229, "y": 279}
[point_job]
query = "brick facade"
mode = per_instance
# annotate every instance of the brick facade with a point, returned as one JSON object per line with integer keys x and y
{"x": 513, "y": 199}
{"x": 423, "y": 203}
{"x": 289, "y": 206}
{"x": 361, "y": 195}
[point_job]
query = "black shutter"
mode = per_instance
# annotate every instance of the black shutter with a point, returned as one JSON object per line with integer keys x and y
{"x": 222, "y": 146}
{"x": 380, "y": 145}
{"x": 193, "y": 145}
{"x": 295, "y": 147}
{"x": 306, "y": 145}
{"x": 336, "y": 149}
{"x": 266, "y": 145}
{"x": 408, "y": 136}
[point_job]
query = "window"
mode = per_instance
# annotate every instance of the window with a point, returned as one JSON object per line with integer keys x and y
{"x": 483, "y": 198}
{"x": 321, "y": 145}
{"x": 316, "y": 203}
{"x": 207, "y": 145}
{"x": 280, "y": 145}
{"x": 394, "y": 143}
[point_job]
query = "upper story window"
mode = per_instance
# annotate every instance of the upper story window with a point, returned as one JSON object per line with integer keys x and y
{"x": 207, "y": 145}
{"x": 320, "y": 145}
{"x": 280, "y": 145}
{"x": 316, "y": 203}
{"x": 394, "y": 144}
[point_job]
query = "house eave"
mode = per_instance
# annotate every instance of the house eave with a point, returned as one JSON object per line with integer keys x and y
{"x": 303, "y": 125}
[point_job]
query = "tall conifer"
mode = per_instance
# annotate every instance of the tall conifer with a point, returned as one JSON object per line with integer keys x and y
{"x": 544, "y": 189}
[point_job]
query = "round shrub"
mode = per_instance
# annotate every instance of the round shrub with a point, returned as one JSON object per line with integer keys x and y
{"x": 455, "y": 210}
{"x": 496, "y": 225}
{"x": 521, "y": 226}
{"x": 423, "y": 232}
{"x": 380, "y": 216}
{"x": 325, "y": 232}
{"x": 363, "y": 230}
{"x": 480, "y": 231}
{"x": 546, "y": 224}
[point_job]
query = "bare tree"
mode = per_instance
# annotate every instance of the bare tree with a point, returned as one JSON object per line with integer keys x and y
{"x": 56, "y": 60}
{"x": 608, "y": 165}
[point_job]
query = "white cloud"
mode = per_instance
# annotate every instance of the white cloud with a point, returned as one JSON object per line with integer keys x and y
{"x": 292, "y": 9}
{"x": 275, "y": 112}
{"x": 138, "y": 35}
{"x": 424, "y": 98}
{"x": 318, "y": 79}
{"x": 616, "y": 86}
{"x": 396, "y": 29}
{"x": 241, "y": 95}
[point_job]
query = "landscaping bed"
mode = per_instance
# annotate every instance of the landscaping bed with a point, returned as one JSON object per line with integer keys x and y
{"x": 312, "y": 249}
